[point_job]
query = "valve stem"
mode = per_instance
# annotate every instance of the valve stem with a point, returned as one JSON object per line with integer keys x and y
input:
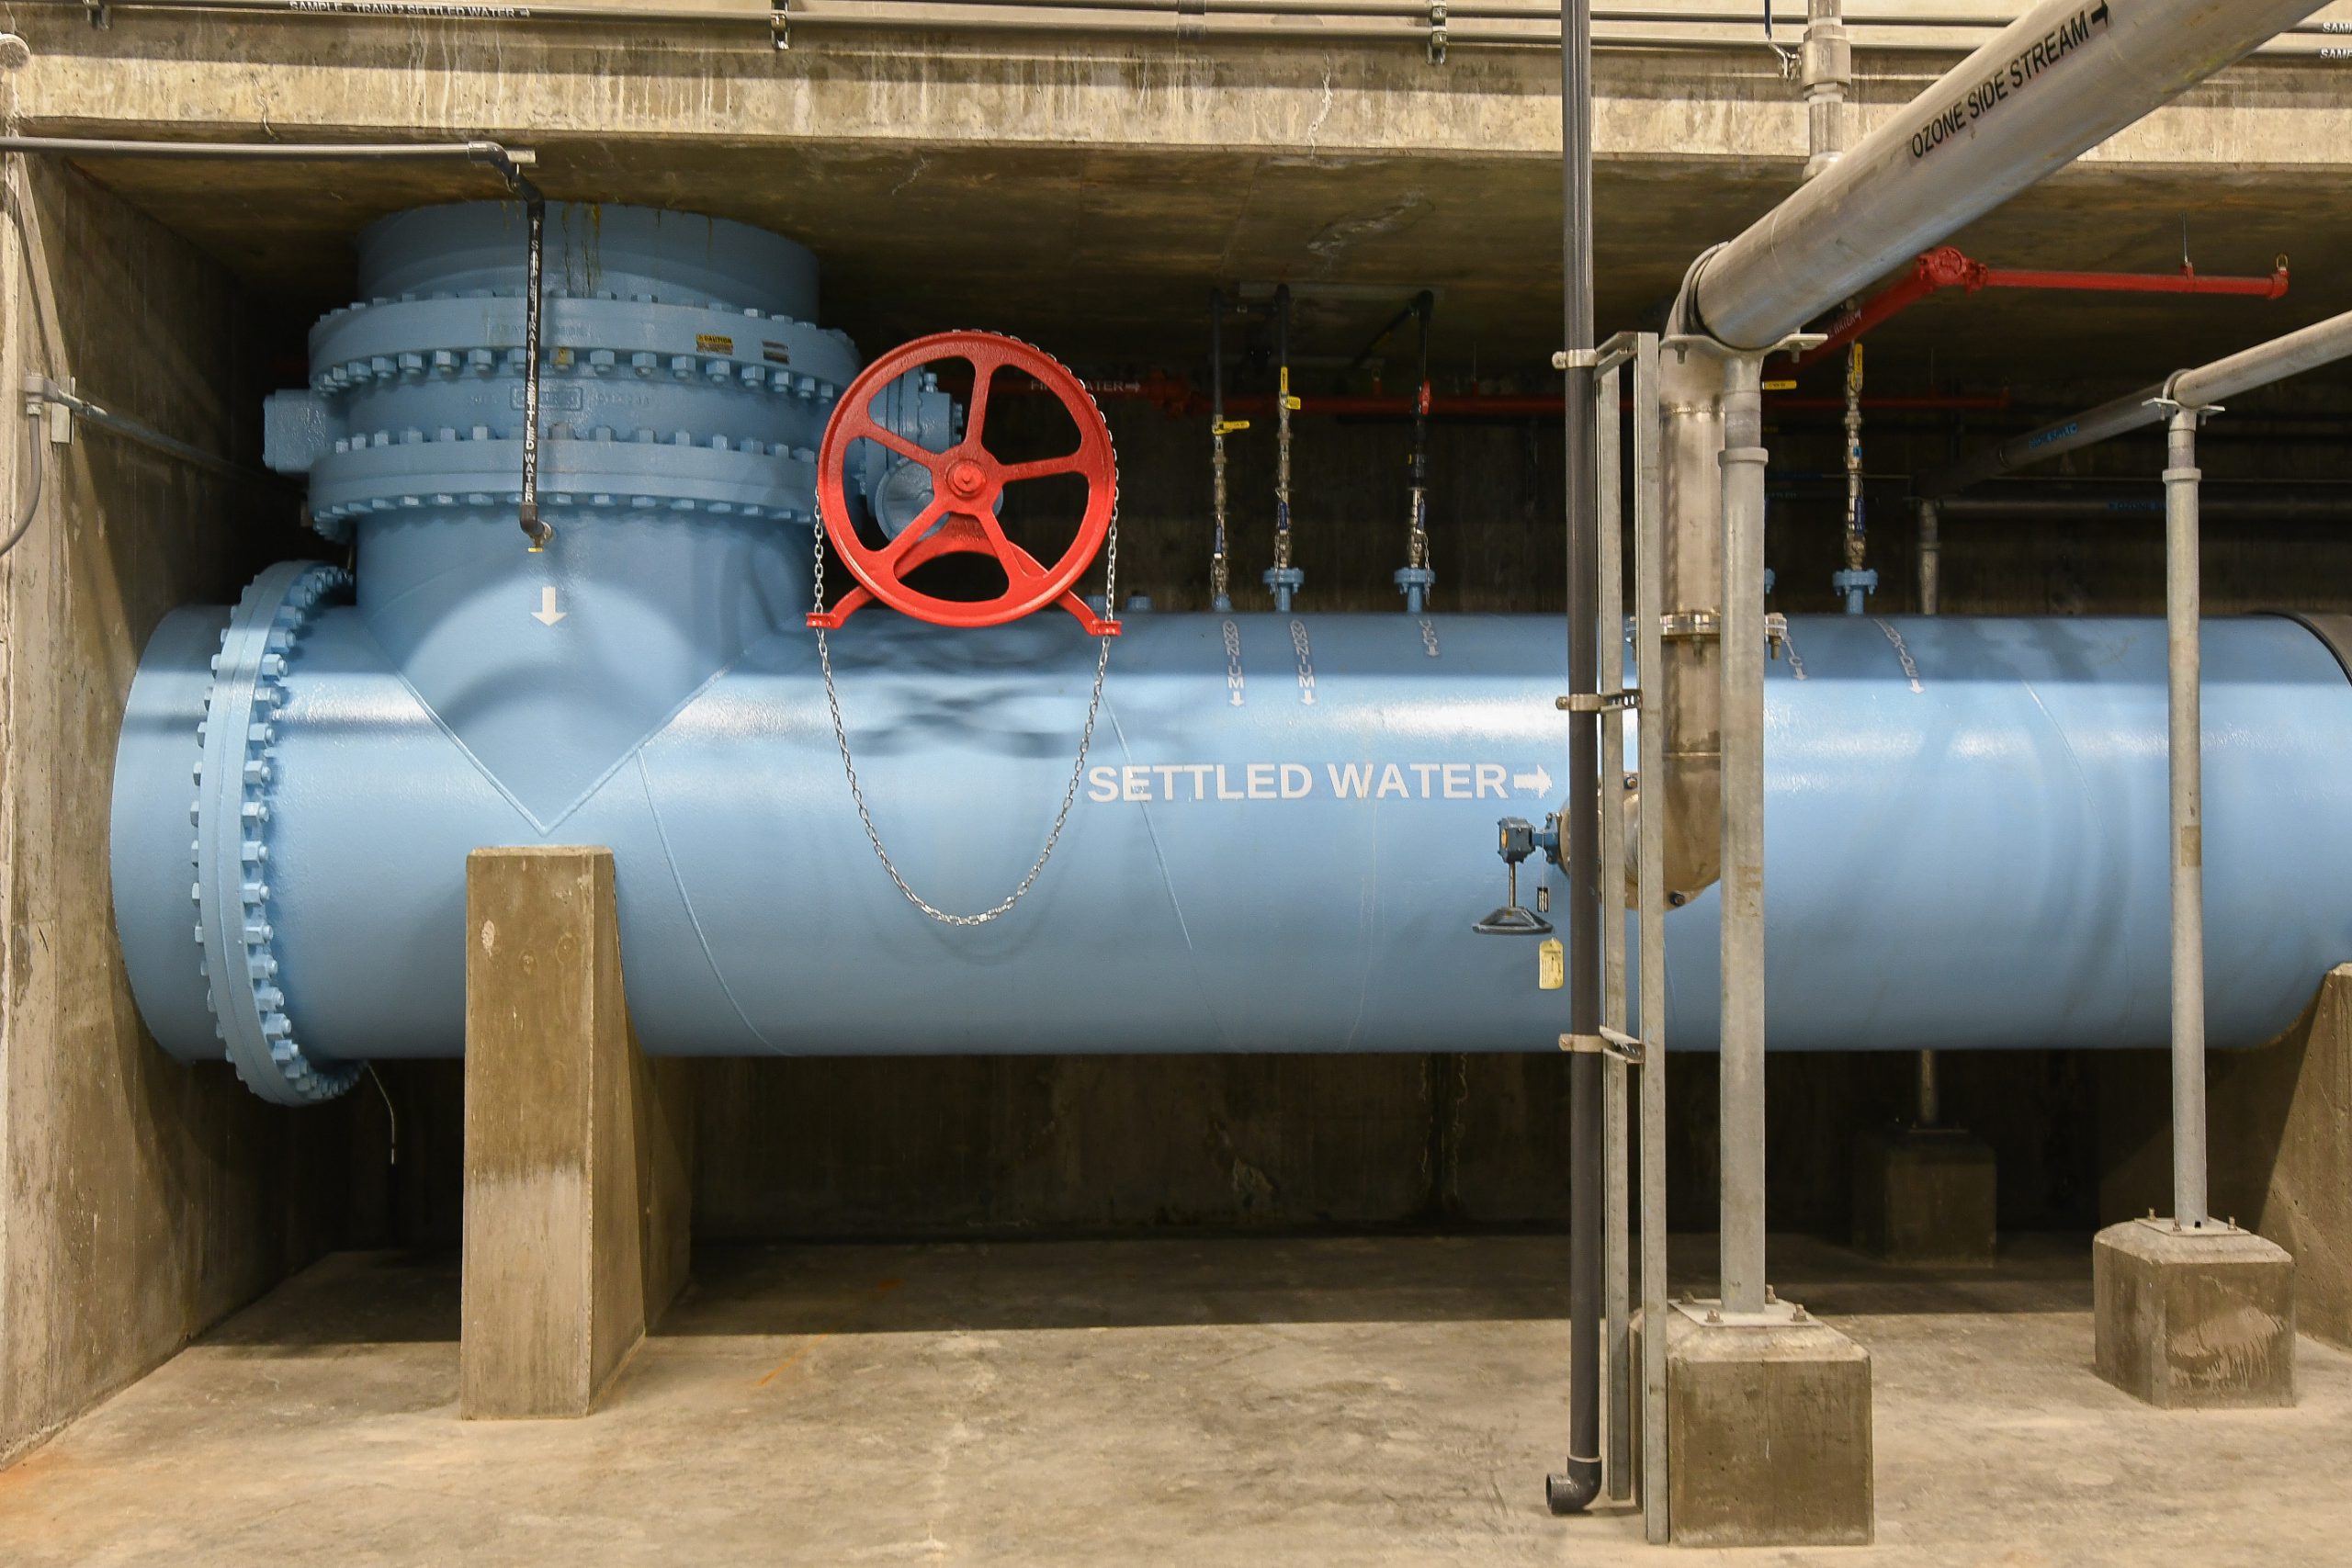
{"x": 1220, "y": 568}
{"x": 1417, "y": 579}
{"x": 1283, "y": 578}
{"x": 535, "y": 206}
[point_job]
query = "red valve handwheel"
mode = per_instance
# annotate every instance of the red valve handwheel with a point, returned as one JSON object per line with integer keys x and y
{"x": 966, "y": 482}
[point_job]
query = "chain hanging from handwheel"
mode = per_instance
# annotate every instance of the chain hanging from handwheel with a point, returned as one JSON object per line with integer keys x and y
{"x": 966, "y": 482}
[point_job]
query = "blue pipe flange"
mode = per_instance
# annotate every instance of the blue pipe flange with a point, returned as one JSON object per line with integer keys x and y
{"x": 238, "y": 739}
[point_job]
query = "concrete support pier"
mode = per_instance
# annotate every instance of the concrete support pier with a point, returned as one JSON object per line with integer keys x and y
{"x": 1768, "y": 1430}
{"x": 1926, "y": 1195}
{"x": 578, "y": 1149}
{"x": 2189, "y": 1319}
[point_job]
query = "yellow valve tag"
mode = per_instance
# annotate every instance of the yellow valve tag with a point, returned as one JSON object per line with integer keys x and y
{"x": 1292, "y": 404}
{"x": 1226, "y": 427}
{"x": 1779, "y": 386}
{"x": 1553, "y": 958}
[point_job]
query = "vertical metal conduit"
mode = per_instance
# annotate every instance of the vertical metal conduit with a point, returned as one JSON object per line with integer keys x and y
{"x": 1828, "y": 73}
{"x": 1571, "y": 1492}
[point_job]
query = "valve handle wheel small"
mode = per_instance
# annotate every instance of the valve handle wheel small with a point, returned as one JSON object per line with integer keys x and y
{"x": 967, "y": 481}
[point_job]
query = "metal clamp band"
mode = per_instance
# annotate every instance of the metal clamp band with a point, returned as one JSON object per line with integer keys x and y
{"x": 1690, "y": 624}
{"x": 1608, "y": 1042}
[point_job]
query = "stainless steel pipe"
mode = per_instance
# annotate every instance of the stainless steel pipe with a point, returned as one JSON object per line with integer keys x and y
{"x": 2055, "y": 83}
{"x": 2322, "y": 343}
{"x": 1687, "y": 791}
{"x": 1828, "y": 73}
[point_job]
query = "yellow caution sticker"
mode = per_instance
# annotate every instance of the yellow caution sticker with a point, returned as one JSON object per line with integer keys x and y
{"x": 714, "y": 343}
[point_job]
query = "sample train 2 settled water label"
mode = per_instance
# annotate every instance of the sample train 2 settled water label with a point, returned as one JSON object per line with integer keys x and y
{"x": 1144, "y": 783}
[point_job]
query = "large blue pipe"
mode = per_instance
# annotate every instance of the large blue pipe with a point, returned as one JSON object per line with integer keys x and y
{"x": 1282, "y": 839}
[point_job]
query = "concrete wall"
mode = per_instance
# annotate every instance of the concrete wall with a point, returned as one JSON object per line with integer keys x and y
{"x": 141, "y": 1199}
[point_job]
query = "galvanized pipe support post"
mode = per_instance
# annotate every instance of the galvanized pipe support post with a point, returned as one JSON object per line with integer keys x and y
{"x": 1929, "y": 1082}
{"x": 1743, "y": 460}
{"x": 2185, "y": 734}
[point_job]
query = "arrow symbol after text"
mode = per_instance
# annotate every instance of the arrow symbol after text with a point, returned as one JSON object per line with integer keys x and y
{"x": 1537, "y": 782}
{"x": 547, "y": 615}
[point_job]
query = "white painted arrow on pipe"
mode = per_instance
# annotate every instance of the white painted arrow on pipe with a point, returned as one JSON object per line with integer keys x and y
{"x": 547, "y": 615}
{"x": 1537, "y": 782}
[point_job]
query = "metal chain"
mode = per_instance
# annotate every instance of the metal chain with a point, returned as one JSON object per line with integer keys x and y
{"x": 1077, "y": 770}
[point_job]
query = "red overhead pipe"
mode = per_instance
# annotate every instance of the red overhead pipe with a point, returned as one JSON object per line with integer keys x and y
{"x": 1947, "y": 268}
{"x": 1177, "y": 398}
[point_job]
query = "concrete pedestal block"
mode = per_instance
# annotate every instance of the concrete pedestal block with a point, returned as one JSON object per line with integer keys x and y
{"x": 1767, "y": 1432}
{"x": 1926, "y": 1195}
{"x": 2188, "y": 1319}
{"x": 578, "y": 1149}
{"x": 2279, "y": 1124}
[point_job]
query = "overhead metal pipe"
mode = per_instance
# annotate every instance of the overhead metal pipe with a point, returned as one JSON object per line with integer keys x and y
{"x": 1574, "y": 1489}
{"x": 719, "y": 13}
{"x": 2055, "y": 83}
{"x": 2322, "y": 343}
{"x": 2290, "y": 504}
{"x": 509, "y": 163}
{"x": 1177, "y": 21}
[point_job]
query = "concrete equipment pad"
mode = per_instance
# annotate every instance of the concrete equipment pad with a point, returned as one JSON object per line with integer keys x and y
{"x": 1926, "y": 1195}
{"x": 1260, "y": 1401}
{"x": 1768, "y": 1429}
{"x": 2195, "y": 1320}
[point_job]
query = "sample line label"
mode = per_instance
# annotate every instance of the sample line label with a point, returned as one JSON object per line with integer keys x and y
{"x": 2023, "y": 69}
{"x": 1148, "y": 781}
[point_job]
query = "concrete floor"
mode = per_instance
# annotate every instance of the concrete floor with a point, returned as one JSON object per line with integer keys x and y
{"x": 1261, "y": 1401}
